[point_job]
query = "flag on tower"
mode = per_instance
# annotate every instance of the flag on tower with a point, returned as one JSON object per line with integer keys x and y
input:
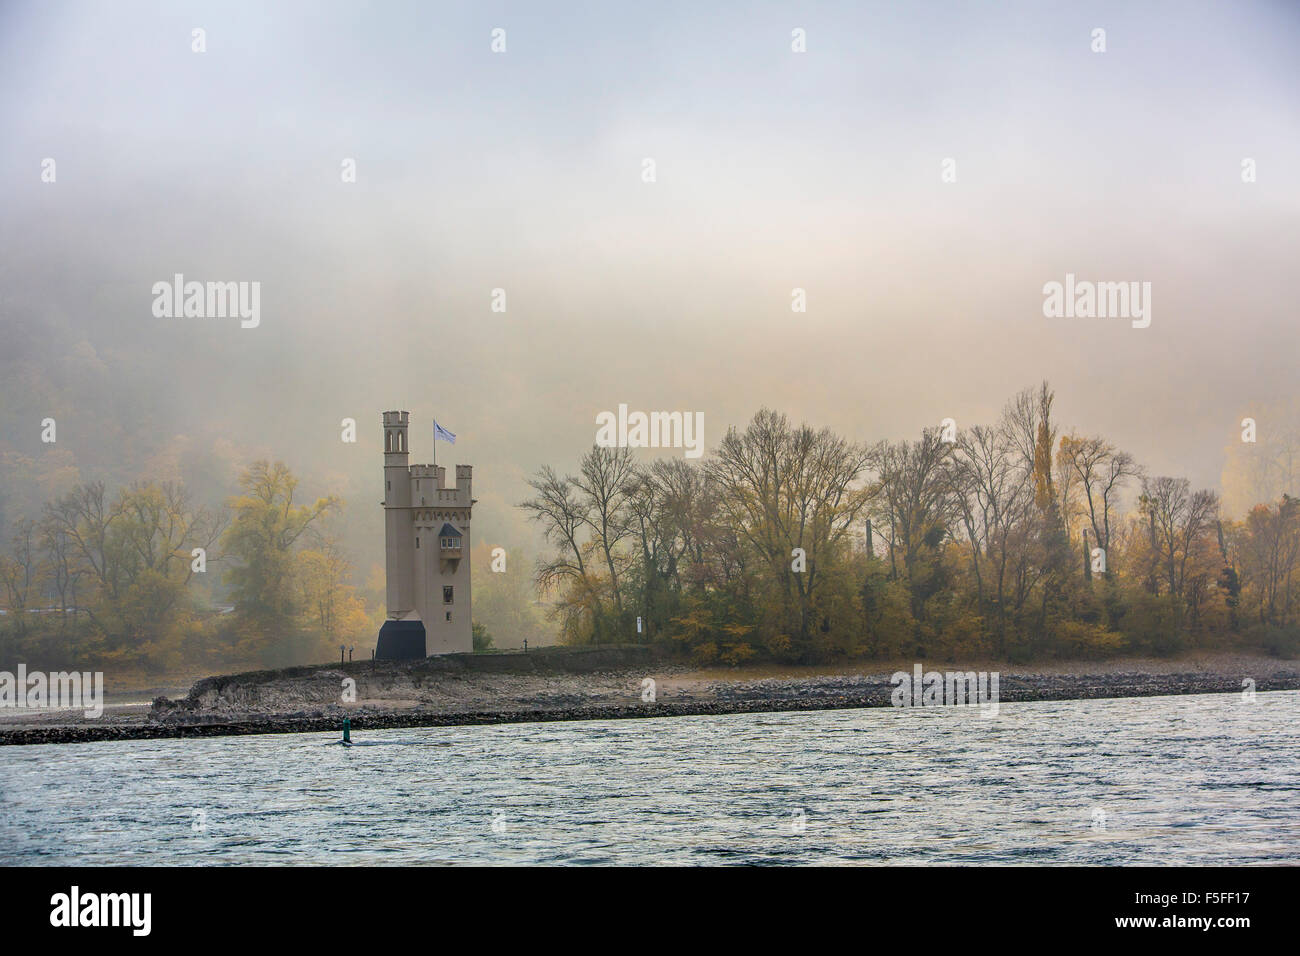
{"x": 440, "y": 432}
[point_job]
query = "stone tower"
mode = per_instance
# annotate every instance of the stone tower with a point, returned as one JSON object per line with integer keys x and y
{"x": 427, "y": 546}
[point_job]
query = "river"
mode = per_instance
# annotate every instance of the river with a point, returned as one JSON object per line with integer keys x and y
{"x": 1198, "y": 779}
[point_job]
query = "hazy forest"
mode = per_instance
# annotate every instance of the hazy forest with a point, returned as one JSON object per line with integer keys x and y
{"x": 1009, "y": 541}
{"x": 111, "y": 576}
{"x": 1014, "y": 540}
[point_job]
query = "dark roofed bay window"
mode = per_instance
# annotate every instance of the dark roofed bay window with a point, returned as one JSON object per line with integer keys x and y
{"x": 449, "y": 538}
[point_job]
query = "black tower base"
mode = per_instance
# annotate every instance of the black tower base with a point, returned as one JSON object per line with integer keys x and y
{"x": 400, "y": 641}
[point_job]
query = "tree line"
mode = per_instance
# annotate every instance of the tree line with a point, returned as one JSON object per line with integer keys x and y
{"x": 1011, "y": 540}
{"x": 145, "y": 578}
{"x": 120, "y": 578}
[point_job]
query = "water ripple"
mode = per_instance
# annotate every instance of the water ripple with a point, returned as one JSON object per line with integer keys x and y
{"x": 1174, "y": 780}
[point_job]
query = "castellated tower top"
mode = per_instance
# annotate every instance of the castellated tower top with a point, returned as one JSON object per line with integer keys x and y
{"x": 395, "y": 425}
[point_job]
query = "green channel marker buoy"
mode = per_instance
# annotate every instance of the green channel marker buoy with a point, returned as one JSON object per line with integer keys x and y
{"x": 347, "y": 730}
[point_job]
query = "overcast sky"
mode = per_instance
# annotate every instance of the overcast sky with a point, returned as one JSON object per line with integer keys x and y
{"x": 775, "y": 170}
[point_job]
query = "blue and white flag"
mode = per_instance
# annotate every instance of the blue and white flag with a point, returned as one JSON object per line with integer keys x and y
{"x": 440, "y": 432}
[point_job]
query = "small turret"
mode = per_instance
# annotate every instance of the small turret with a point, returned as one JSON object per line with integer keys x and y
{"x": 398, "y": 534}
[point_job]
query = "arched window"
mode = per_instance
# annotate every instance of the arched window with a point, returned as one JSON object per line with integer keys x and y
{"x": 388, "y": 441}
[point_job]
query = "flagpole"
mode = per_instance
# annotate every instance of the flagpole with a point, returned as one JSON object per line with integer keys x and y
{"x": 434, "y": 460}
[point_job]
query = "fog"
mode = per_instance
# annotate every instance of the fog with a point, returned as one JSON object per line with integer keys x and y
{"x": 523, "y": 171}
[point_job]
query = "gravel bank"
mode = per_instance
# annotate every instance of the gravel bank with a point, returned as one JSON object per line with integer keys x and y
{"x": 303, "y": 700}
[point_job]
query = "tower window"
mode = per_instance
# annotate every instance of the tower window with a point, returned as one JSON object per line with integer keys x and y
{"x": 449, "y": 615}
{"x": 417, "y": 542}
{"x": 446, "y": 595}
{"x": 390, "y": 486}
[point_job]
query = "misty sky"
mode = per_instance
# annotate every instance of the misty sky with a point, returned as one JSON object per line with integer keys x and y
{"x": 523, "y": 171}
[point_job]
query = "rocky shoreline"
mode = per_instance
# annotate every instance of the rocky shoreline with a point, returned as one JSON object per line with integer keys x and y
{"x": 305, "y": 700}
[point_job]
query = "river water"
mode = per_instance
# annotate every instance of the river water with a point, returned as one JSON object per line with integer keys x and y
{"x": 1165, "y": 780}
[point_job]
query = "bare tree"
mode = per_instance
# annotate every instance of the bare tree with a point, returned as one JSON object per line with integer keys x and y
{"x": 782, "y": 488}
{"x": 994, "y": 492}
{"x": 1270, "y": 546}
{"x": 20, "y": 573}
{"x": 914, "y": 496}
{"x": 86, "y": 517}
{"x": 65, "y": 568}
{"x": 1101, "y": 470}
{"x": 563, "y": 516}
{"x": 667, "y": 525}
{"x": 1178, "y": 517}
{"x": 607, "y": 477}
